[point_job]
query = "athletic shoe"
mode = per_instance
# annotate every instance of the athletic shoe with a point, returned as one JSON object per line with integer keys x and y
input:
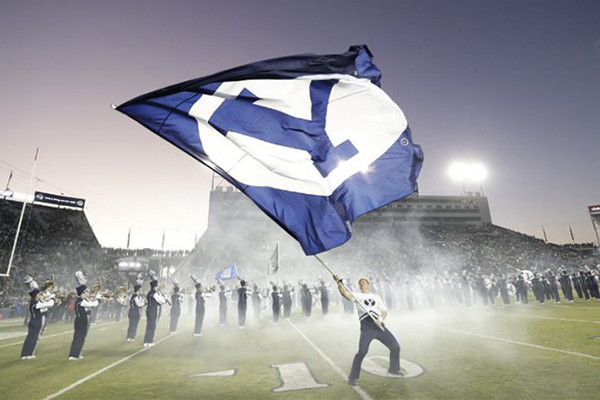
{"x": 73, "y": 358}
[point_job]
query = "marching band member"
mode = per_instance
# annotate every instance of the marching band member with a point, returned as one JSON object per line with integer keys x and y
{"x": 136, "y": 303}
{"x": 242, "y": 304}
{"x": 200, "y": 307}
{"x": 370, "y": 328}
{"x": 222, "y": 305}
{"x": 276, "y": 304}
{"x": 176, "y": 301}
{"x": 287, "y": 301}
{"x": 37, "y": 320}
{"x": 83, "y": 306}
{"x": 324, "y": 297}
{"x": 155, "y": 299}
{"x": 306, "y": 300}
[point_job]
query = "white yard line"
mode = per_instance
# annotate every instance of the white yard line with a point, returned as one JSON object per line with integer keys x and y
{"x": 93, "y": 375}
{"x": 559, "y": 319}
{"x": 54, "y": 335}
{"x": 11, "y": 335}
{"x": 535, "y": 346}
{"x": 363, "y": 395}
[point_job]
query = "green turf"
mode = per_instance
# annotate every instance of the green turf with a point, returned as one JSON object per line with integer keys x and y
{"x": 457, "y": 365}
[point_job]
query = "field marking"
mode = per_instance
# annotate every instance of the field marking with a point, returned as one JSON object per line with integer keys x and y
{"x": 93, "y": 375}
{"x": 363, "y": 395}
{"x": 54, "y": 335}
{"x": 559, "y": 319}
{"x": 227, "y": 372}
{"x": 12, "y": 335}
{"x": 535, "y": 346}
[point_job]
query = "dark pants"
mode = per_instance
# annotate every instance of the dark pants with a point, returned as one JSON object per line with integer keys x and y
{"x": 505, "y": 297}
{"x": 222, "y": 314}
{"x": 81, "y": 330}
{"x": 368, "y": 332}
{"x": 175, "y": 312}
{"x": 276, "y": 312}
{"x": 568, "y": 292}
{"x": 325, "y": 306}
{"x": 151, "y": 320}
{"x": 134, "y": 320}
{"x": 199, "y": 321}
{"x": 241, "y": 314}
{"x": 33, "y": 335}
{"x": 287, "y": 309}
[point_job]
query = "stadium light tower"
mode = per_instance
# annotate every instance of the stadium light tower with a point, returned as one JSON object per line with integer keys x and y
{"x": 469, "y": 174}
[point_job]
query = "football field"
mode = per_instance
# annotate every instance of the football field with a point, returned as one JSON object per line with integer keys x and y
{"x": 549, "y": 351}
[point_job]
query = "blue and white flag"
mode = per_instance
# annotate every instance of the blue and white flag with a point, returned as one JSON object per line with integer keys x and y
{"x": 311, "y": 139}
{"x": 226, "y": 273}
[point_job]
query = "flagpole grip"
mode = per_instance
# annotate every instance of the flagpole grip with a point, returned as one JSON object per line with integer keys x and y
{"x": 351, "y": 294}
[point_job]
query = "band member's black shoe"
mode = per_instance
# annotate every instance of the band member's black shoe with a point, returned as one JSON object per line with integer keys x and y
{"x": 397, "y": 373}
{"x": 351, "y": 382}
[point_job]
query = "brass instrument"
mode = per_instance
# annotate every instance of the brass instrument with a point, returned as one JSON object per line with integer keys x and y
{"x": 121, "y": 296}
{"x": 47, "y": 290}
{"x": 94, "y": 291}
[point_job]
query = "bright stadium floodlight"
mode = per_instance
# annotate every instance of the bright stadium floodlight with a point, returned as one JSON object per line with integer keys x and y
{"x": 468, "y": 173}
{"x": 477, "y": 173}
{"x": 458, "y": 171}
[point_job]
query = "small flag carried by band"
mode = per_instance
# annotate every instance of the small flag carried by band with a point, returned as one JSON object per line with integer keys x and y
{"x": 273, "y": 266}
{"x": 227, "y": 273}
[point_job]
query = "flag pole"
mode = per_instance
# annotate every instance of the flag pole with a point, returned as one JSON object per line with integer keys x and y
{"x": 12, "y": 253}
{"x": 351, "y": 294}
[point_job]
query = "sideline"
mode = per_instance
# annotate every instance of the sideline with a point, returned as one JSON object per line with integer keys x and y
{"x": 337, "y": 369}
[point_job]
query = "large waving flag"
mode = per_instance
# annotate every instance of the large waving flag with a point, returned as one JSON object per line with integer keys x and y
{"x": 311, "y": 139}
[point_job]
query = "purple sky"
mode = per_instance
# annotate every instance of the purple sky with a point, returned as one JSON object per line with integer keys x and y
{"x": 512, "y": 84}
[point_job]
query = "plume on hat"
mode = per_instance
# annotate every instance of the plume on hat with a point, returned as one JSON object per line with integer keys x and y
{"x": 30, "y": 282}
{"x": 153, "y": 276}
{"x": 80, "y": 277}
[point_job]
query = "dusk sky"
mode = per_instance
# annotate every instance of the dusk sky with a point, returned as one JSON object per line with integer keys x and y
{"x": 514, "y": 85}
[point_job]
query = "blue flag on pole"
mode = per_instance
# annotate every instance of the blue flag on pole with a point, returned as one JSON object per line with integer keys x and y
{"x": 311, "y": 139}
{"x": 227, "y": 273}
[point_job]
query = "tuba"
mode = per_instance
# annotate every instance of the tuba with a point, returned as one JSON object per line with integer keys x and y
{"x": 47, "y": 290}
{"x": 95, "y": 291}
{"x": 121, "y": 296}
